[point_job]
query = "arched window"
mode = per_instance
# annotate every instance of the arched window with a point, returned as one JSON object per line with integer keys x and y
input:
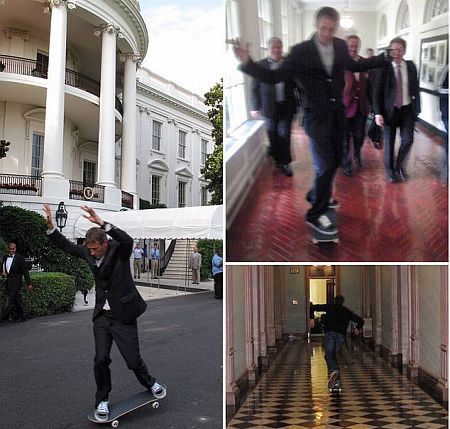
{"x": 402, "y": 16}
{"x": 383, "y": 27}
{"x": 435, "y": 8}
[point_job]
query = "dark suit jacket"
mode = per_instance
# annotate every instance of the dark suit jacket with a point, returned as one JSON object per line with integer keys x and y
{"x": 17, "y": 270}
{"x": 385, "y": 88}
{"x": 321, "y": 92}
{"x": 264, "y": 95}
{"x": 355, "y": 97}
{"x": 113, "y": 279}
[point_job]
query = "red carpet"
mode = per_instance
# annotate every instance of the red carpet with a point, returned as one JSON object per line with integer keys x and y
{"x": 378, "y": 221}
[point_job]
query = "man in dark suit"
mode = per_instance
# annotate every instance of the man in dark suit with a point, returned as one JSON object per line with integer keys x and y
{"x": 117, "y": 303}
{"x": 13, "y": 268}
{"x": 319, "y": 65}
{"x": 396, "y": 103}
{"x": 277, "y": 105}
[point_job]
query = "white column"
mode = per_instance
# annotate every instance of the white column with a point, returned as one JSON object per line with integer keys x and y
{"x": 106, "y": 136}
{"x": 128, "y": 165}
{"x": 54, "y": 184}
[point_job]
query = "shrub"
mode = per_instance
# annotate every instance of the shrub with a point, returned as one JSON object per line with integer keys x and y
{"x": 3, "y": 247}
{"x": 28, "y": 230}
{"x": 52, "y": 293}
{"x": 56, "y": 260}
{"x": 207, "y": 249}
{"x": 144, "y": 204}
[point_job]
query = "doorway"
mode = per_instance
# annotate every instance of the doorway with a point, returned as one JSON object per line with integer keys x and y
{"x": 321, "y": 291}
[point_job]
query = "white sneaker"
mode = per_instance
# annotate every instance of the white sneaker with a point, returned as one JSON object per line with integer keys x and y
{"x": 102, "y": 410}
{"x": 159, "y": 391}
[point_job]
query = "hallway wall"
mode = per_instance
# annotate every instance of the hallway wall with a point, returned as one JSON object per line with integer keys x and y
{"x": 429, "y": 280}
{"x": 386, "y": 306}
{"x": 295, "y": 290}
{"x": 350, "y": 281}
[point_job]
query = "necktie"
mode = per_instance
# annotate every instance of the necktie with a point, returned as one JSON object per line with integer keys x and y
{"x": 399, "y": 93}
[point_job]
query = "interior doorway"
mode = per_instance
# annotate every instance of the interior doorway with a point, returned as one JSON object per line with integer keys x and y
{"x": 321, "y": 291}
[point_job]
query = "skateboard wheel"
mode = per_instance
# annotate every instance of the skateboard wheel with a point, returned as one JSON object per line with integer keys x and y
{"x": 115, "y": 423}
{"x": 314, "y": 241}
{"x": 155, "y": 405}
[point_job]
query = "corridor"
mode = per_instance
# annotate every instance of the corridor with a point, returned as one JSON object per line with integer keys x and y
{"x": 378, "y": 221}
{"x": 293, "y": 394}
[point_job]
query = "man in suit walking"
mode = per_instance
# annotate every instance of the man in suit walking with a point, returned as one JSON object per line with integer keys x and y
{"x": 154, "y": 260}
{"x": 356, "y": 109}
{"x": 13, "y": 269}
{"x": 277, "y": 104}
{"x": 318, "y": 64}
{"x": 118, "y": 304}
{"x": 195, "y": 265}
{"x": 396, "y": 103}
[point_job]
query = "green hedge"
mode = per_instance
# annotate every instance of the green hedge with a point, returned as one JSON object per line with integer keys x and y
{"x": 28, "y": 230}
{"x": 52, "y": 293}
{"x": 207, "y": 249}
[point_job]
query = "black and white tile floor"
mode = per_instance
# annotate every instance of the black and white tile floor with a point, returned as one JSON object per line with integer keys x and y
{"x": 293, "y": 394}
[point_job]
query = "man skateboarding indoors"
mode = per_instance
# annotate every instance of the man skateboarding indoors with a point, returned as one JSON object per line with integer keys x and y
{"x": 118, "y": 304}
{"x": 336, "y": 323}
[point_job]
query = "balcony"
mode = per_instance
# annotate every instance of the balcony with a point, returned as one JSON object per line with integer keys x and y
{"x": 78, "y": 191}
{"x": 17, "y": 184}
{"x": 29, "y": 67}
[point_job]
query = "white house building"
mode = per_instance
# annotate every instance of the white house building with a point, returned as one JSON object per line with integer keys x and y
{"x": 85, "y": 123}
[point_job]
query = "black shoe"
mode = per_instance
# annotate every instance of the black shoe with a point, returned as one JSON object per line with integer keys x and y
{"x": 348, "y": 171}
{"x": 391, "y": 176}
{"x": 286, "y": 169}
{"x": 323, "y": 224}
{"x": 401, "y": 175}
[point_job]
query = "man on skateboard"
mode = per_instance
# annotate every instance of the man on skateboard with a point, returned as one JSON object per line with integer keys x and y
{"x": 118, "y": 304}
{"x": 336, "y": 323}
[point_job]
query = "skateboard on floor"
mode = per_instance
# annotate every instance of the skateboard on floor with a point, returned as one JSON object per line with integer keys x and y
{"x": 125, "y": 406}
{"x": 320, "y": 237}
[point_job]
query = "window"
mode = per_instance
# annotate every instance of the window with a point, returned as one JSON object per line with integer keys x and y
{"x": 182, "y": 144}
{"x": 181, "y": 194}
{"x": 235, "y": 106}
{"x": 204, "y": 150}
{"x": 435, "y": 8}
{"x": 156, "y": 190}
{"x": 204, "y": 196}
{"x": 89, "y": 173}
{"x": 284, "y": 24}
{"x": 42, "y": 64}
{"x": 383, "y": 27}
{"x": 37, "y": 155}
{"x": 403, "y": 16}
{"x": 265, "y": 24}
{"x": 156, "y": 135}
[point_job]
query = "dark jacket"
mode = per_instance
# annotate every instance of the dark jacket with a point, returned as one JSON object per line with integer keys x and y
{"x": 17, "y": 270}
{"x": 264, "y": 95}
{"x": 338, "y": 317}
{"x": 321, "y": 92}
{"x": 113, "y": 279}
{"x": 384, "y": 91}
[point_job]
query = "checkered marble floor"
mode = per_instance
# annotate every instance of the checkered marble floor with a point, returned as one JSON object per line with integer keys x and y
{"x": 293, "y": 394}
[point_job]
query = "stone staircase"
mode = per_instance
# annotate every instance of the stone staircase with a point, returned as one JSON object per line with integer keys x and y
{"x": 177, "y": 264}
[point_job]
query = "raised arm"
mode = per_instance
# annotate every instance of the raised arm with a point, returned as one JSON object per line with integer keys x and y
{"x": 284, "y": 72}
{"x": 358, "y": 320}
{"x": 364, "y": 64}
{"x": 56, "y": 237}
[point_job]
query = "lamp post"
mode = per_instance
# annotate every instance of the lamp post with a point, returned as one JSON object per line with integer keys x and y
{"x": 61, "y": 216}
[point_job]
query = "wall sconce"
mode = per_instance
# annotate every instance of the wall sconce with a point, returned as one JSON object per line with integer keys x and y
{"x": 61, "y": 216}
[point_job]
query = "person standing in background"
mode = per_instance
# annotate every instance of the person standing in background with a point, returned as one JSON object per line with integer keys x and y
{"x": 217, "y": 272}
{"x": 138, "y": 253}
{"x": 154, "y": 261}
{"x": 195, "y": 265}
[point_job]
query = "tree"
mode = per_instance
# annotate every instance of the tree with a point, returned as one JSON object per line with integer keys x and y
{"x": 213, "y": 170}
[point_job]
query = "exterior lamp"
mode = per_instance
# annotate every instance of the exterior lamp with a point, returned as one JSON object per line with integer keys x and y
{"x": 61, "y": 216}
{"x": 71, "y": 4}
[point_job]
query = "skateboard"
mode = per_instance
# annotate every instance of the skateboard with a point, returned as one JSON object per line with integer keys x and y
{"x": 320, "y": 237}
{"x": 125, "y": 406}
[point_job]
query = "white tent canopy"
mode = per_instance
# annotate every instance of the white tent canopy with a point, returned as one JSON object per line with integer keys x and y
{"x": 179, "y": 223}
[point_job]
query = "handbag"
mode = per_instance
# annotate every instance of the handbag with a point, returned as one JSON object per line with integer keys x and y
{"x": 374, "y": 132}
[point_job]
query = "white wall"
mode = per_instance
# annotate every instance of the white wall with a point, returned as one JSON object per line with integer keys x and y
{"x": 295, "y": 290}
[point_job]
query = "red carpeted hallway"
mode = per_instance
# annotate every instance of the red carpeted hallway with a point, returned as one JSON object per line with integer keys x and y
{"x": 378, "y": 221}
